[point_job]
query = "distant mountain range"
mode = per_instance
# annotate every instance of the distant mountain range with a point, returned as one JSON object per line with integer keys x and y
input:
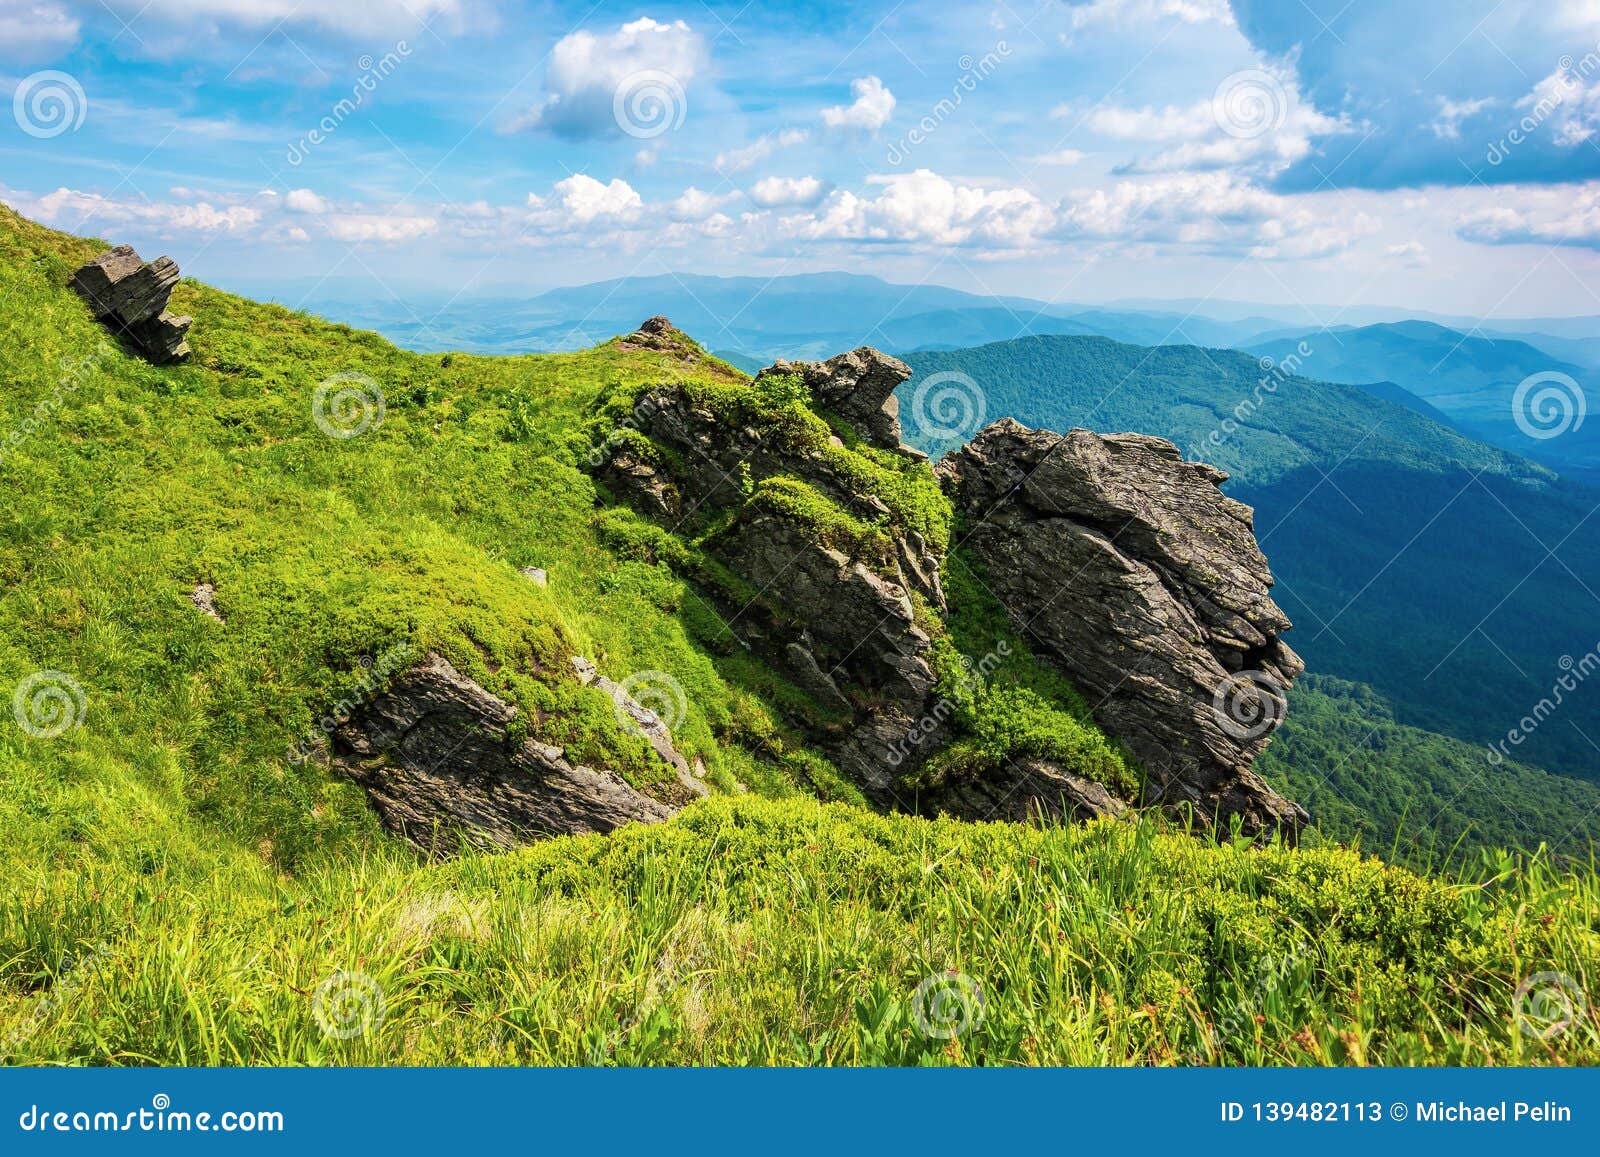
{"x": 1454, "y": 577}
{"x": 757, "y": 319}
{"x": 772, "y": 312}
{"x": 1472, "y": 380}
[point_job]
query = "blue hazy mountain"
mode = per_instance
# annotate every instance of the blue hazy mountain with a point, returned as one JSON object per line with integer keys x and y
{"x": 1472, "y": 379}
{"x": 806, "y": 315}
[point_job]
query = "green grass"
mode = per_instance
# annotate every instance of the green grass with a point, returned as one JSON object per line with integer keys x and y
{"x": 763, "y": 932}
{"x": 175, "y": 889}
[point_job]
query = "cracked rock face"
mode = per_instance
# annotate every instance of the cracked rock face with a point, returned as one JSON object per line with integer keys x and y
{"x": 1130, "y": 569}
{"x": 130, "y": 297}
{"x": 435, "y": 758}
{"x": 859, "y": 635}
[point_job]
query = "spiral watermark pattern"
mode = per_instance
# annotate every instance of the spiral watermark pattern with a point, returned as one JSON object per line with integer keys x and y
{"x": 947, "y": 1005}
{"x": 48, "y": 704}
{"x": 1546, "y": 405}
{"x": 1547, "y": 1004}
{"x": 949, "y": 405}
{"x": 1249, "y": 104}
{"x": 660, "y": 698}
{"x": 347, "y": 1005}
{"x": 48, "y": 104}
{"x": 648, "y": 103}
{"x": 347, "y": 405}
{"x": 1249, "y": 704}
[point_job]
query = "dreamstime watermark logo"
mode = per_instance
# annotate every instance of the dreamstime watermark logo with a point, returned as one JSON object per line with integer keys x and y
{"x": 1548, "y": 404}
{"x": 347, "y": 1005}
{"x": 70, "y": 977}
{"x": 971, "y": 682}
{"x": 1547, "y": 1004}
{"x": 375, "y": 676}
{"x": 48, "y": 104}
{"x": 948, "y": 405}
{"x": 648, "y": 103}
{"x": 1574, "y": 672}
{"x": 1570, "y": 79}
{"x": 651, "y": 700}
{"x": 48, "y": 704}
{"x": 373, "y": 73}
{"x": 1250, "y": 103}
{"x": 347, "y": 405}
{"x": 973, "y": 73}
{"x": 947, "y": 1005}
{"x": 159, "y": 1117}
{"x": 74, "y": 373}
{"x": 1249, "y": 704}
{"x": 1274, "y": 372}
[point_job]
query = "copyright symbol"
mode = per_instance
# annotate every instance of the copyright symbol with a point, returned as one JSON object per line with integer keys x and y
{"x": 1397, "y": 1111}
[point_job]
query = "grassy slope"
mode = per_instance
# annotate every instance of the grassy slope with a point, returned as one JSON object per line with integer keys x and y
{"x": 176, "y": 891}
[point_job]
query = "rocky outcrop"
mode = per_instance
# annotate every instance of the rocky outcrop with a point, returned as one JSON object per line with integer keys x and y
{"x": 434, "y": 753}
{"x": 839, "y": 622}
{"x": 1131, "y": 570}
{"x": 130, "y": 297}
{"x": 859, "y": 387}
{"x": 1127, "y": 566}
{"x": 655, "y": 333}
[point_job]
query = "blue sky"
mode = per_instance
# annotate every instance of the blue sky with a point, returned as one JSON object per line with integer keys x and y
{"x": 1436, "y": 155}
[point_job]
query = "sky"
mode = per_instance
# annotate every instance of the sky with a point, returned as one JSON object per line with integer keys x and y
{"x": 1437, "y": 155}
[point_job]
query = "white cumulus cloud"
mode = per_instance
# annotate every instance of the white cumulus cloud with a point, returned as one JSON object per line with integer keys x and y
{"x": 582, "y": 199}
{"x": 770, "y": 192}
{"x": 304, "y": 201}
{"x": 1529, "y": 214}
{"x": 928, "y": 208}
{"x": 586, "y": 73}
{"x": 697, "y": 205}
{"x": 870, "y": 110}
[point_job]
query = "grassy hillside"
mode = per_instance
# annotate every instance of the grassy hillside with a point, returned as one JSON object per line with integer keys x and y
{"x": 1453, "y": 577}
{"x": 177, "y": 889}
{"x": 762, "y": 932}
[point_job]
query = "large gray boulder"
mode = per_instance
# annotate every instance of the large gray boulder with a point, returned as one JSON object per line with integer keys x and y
{"x": 130, "y": 297}
{"x": 1132, "y": 571}
{"x": 434, "y": 755}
